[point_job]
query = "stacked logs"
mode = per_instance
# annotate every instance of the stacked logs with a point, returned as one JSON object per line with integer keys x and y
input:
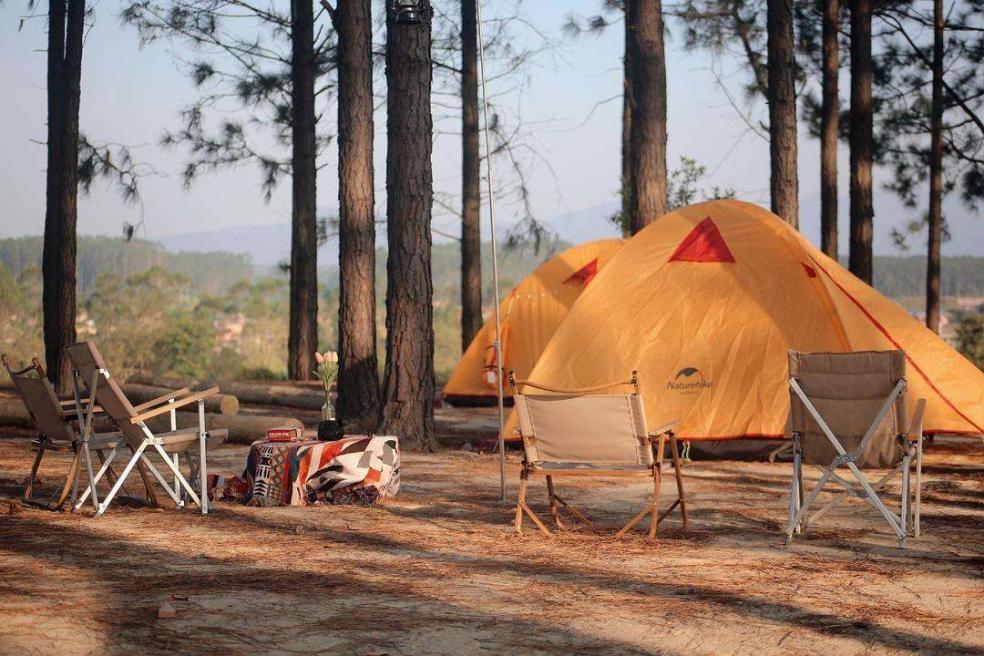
{"x": 222, "y": 410}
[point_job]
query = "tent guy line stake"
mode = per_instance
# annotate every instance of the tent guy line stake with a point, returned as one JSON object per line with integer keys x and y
{"x": 495, "y": 258}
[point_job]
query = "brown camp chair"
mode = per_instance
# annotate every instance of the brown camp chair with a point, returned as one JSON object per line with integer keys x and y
{"x": 849, "y": 410}
{"x": 90, "y": 373}
{"x": 582, "y": 432}
{"x": 54, "y": 420}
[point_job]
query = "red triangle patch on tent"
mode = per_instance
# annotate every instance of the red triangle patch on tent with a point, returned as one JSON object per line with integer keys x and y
{"x": 585, "y": 273}
{"x": 703, "y": 244}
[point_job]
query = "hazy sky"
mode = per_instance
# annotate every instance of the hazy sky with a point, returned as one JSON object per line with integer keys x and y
{"x": 130, "y": 95}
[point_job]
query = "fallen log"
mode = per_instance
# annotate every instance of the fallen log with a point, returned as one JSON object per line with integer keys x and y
{"x": 225, "y": 404}
{"x": 243, "y": 429}
{"x": 13, "y": 413}
{"x": 279, "y": 394}
{"x": 289, "y": 396}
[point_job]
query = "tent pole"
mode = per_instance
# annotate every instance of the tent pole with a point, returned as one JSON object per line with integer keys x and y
{"x": 495, "y": 258}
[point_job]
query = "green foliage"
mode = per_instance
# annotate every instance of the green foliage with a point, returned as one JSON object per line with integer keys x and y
{"x": 683, "y": 185}
{"x": 682, "y": 189}
{"x": 11, "y": 298}
{"x": 262, "y": 373}
{"x": 896, "y": 277}
{"x": 113, "y": 165}
{"x": 20, "y": 310}
{"x": 970, "y": 336}
{"x": 242, "y": 73}
{"x": 161, "y": 321}
{"x": 184, "y": 347}
{"x": 132, "y": 318}
{"x": 213, "y": 272}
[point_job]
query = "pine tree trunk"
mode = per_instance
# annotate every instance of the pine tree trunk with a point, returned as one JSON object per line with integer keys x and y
{"x": 358, "y": 376}
{"x": 408, "y": 387}
{"x": 648, "y": 198}
{"x": 65, "y": 38}
{"x": 471, "y": 234}
{"x": 626, "y": 179}
{"x": 935, "y": 177}
{"x": 783, "y": 181}
{"x": 861, "y": 141}
{"x": 302, "y": 339}
{"x": 829, "y": 127}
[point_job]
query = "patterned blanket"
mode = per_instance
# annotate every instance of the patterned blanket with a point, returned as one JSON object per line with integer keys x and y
{"x": 358, "y": 469}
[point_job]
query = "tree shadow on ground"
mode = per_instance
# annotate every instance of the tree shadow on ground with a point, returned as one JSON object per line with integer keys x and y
{"x": 129, "y": 595}
{"x": 828, "y": 624}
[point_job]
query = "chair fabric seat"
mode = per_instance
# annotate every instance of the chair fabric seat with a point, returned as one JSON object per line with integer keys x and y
{"x": 98, "y": 441}
{"x": 179, "y": 441}
{"x": 849, "y": 410}
{"x": 599, "y": 429}
{"x": 591, "y": 466}
{"x": 847, "y": 390}
{"x": 582, "y": 432}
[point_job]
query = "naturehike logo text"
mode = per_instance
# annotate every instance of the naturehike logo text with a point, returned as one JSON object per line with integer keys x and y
{"x": 689, "y": 380}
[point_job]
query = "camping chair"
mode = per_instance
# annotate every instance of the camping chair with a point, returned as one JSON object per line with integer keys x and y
{"x": 581, "y": 432}
{"x": 849, "y": 410}
{"x": 54, "y": 421}
{"x": 90, "y": 373}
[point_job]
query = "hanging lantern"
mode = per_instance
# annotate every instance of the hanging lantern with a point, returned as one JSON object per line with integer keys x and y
{"x": 406, "y": 12}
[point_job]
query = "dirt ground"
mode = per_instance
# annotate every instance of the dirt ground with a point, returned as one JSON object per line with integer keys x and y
{"x": 438, "y": 570}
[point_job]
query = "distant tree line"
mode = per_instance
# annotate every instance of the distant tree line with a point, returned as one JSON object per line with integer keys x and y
{"x": 899, "y": 277}
{"x": 211, "y": 272}
{"x": 215, "y": 273}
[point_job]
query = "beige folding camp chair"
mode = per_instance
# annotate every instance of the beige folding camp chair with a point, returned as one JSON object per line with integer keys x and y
{"x": 57, "y": 431}
{"x": 90, "y": 373}
{"x": 52, "y": 418}
{"x": 849, "y": 410}
{"x": 582, "y": 432}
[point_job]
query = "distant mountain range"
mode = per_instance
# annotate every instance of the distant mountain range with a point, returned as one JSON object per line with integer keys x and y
{"x": 268, "y": 245}
{"x": 214, "y": 271}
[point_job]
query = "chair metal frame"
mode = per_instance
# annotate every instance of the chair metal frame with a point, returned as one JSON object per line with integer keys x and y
{"x": 655, "y": 440}
{"x": 166, "y": 404}
{"x": 908, "y": 516}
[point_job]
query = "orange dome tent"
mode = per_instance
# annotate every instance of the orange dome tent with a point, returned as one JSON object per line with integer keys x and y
{"x": 530, "y": 315}
{"x": 706, "y": 301}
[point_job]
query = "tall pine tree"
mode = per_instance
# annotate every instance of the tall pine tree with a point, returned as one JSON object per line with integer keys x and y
{"x": 408, "y": 384}
{"x": 66, "y": 26}
{"x": 358, "y": 378}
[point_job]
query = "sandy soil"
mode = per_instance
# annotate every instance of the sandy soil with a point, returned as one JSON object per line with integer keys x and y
{"x": 438, "y": 570}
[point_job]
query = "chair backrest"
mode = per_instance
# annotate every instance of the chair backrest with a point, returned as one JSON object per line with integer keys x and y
{"x": 41, "y": 401}
{"x": 595, "y": 429}
{"x": 848, "y": 390}
{"x": 88, "y": 362}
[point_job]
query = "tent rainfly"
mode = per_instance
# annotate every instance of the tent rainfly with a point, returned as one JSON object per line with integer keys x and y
{"x": 530, "y": 315}
{"x": 705, "y": 303}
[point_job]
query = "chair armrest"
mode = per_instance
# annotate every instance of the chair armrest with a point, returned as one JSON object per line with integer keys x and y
{"x": 167, "y": 407}
{"x": 665, "y": 428}
{"x": 162, "y": 399}
{"x": 914, "y": 432}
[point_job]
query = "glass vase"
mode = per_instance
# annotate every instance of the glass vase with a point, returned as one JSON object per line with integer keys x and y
{"x": 328, "y": 411}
